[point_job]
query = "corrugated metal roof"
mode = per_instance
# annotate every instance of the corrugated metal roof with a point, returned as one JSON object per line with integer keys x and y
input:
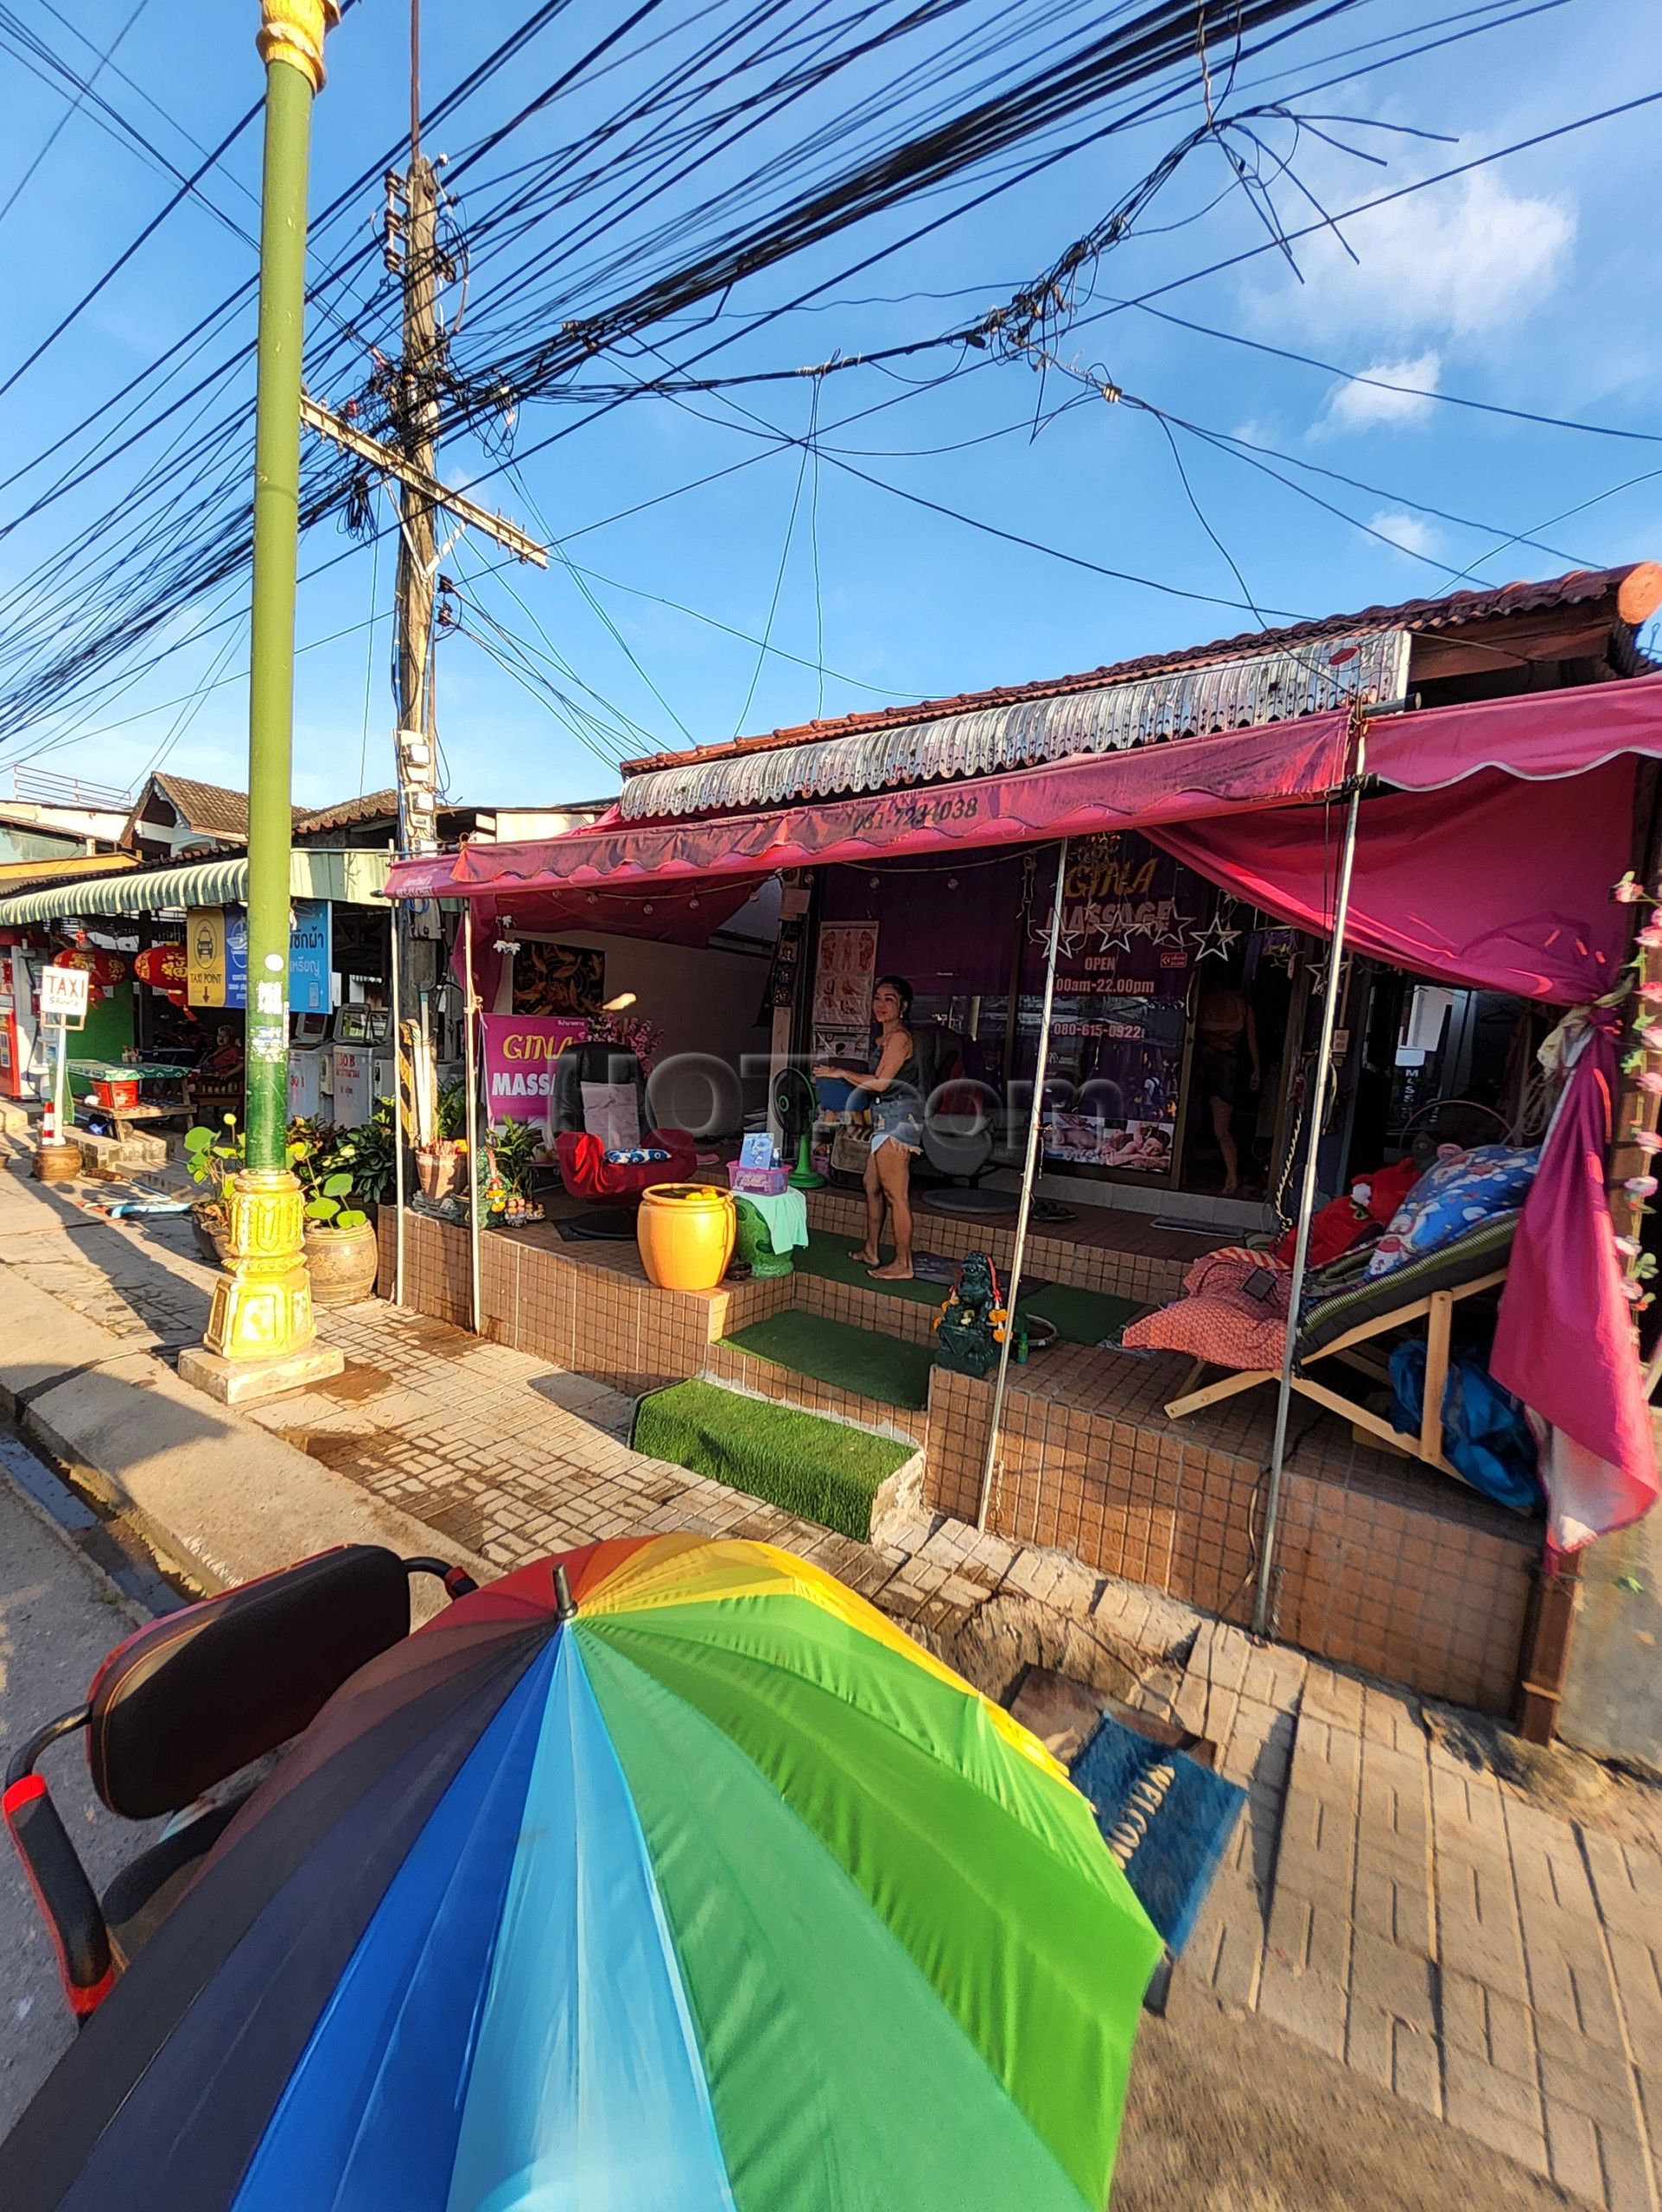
{"x": 1638, "y": 587}
{"x": 1059, "y": 725}
{"x": 354, "y": 878}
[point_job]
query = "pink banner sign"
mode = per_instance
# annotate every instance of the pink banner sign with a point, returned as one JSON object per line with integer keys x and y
{"x": 520, "y": 1050}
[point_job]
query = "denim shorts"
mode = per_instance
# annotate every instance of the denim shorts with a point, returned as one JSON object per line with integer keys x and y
{"x": 896, "y": 1118}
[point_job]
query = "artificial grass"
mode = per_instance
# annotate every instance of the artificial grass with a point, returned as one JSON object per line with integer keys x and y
{"x": 877, "y": 1366}
{"x": 832, "y": 1258}
{"x": 1082, "y": 1317}
{"x": 823, "y": 1471}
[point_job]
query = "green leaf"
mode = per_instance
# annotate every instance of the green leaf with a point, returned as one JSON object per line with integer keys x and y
{"x": 323, "y": 1209}
{"x": 198, "y": 1139}
{"x": 352, "y": 1219}
{"x": 336, "y": 1186}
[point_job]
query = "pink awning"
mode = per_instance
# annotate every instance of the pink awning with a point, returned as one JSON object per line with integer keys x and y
{"x": 1536, "y": 734}
{"x": 1186, "y": 781}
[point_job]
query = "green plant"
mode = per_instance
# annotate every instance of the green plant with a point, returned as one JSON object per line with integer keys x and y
{"x": 367, "y": 1154}
{"x": 451, "y": 1117}
{"x": 517, "y": 1145}
{"x": 324, "y": 1184}
{"x": 213, "y": 1157}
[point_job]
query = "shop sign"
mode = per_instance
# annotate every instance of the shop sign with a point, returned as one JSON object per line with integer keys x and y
{"x": 216, "y": 955}
{"x": 64, "y": 993}
{"x": 520, "y": 1050}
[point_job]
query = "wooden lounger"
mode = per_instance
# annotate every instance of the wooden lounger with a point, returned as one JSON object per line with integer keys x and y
{"x": 1353, "y": 1311}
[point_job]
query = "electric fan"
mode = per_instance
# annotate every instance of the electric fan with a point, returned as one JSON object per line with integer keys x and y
{"x": 796, "y": 1107}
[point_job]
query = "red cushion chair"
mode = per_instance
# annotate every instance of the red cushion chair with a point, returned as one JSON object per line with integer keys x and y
{"x": 587, "y": 1173}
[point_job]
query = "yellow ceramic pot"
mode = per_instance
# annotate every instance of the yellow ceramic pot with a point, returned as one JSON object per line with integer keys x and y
{"x": 685, "y": 1232}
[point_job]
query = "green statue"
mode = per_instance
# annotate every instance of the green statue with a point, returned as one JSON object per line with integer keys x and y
{"x": 971, "y": 1327}
{"x": 753, "y": 1242}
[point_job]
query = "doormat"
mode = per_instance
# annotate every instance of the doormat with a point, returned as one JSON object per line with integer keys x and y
{"x": 824, "y": 1470}
{"x": 862, "y": 1360}
{"x": 1166, "y": 1820}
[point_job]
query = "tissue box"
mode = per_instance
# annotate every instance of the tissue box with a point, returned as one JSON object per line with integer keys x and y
{"x": 760, "y": 1182}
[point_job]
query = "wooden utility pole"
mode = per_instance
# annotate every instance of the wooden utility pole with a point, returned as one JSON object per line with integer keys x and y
{"x": 418, "y": 515}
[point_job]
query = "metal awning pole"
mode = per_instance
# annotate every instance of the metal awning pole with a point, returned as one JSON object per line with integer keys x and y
{"x": 1029, "y": 1176}
{"x": 398, "y": 1105}
{"x": 1307, "y": 1191}
{"x": 474, "y": 1192}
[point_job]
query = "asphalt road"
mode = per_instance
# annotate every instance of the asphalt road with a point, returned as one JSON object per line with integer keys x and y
{"x": 58, "y": 1618}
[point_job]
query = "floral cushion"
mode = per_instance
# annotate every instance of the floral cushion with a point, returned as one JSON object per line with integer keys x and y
{"x": 636, "y": 1155}
{"x": 1452, "y": 1196}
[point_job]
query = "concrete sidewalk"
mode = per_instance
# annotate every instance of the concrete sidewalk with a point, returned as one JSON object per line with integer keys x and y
{"x": 1472, "y": 1927}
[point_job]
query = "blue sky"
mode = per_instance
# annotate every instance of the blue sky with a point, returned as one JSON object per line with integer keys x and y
{"x": 1526, "y": 285}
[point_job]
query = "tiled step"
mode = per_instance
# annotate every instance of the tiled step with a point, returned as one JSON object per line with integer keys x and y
{"x": 729, "y": 1363}
{"x": 1123, "y": 1254}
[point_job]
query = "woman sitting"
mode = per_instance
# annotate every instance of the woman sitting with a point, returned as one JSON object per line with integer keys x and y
{"x": 893, "y": 1084}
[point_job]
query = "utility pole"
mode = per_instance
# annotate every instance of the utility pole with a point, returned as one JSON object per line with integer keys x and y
{"x": 411, "y": 251}
{"x": 418, "y": 515}
{"x": 260, "y": 1337}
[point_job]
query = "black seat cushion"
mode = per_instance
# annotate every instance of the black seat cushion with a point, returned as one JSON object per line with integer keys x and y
{"x": 200, "y": 1694}
{"x": 145, "y": 1890}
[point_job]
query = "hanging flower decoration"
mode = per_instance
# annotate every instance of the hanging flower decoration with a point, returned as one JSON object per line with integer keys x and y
{"x": 1642, "y": 1064}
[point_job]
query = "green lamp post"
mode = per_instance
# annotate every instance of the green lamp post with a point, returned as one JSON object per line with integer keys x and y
{"x": 261, "y": 1337}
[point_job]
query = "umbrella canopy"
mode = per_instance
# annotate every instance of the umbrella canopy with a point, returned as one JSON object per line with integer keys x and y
{"x": 720, "y": 1895}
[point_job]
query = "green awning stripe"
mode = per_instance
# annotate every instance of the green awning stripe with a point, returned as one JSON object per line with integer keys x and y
{"x": 356, "y": 877}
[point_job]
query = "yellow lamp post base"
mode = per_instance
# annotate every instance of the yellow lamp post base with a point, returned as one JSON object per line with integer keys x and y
{"x": 261, "y": 1338}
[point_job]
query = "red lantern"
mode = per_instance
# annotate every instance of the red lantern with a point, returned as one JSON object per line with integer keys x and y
{"x": 164, "y": 967}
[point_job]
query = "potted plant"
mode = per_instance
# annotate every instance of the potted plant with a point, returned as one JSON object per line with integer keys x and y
{"x": 213, "y": 1157}
{"x": 439, "y": 1166}
{"x": 367, "y": 1154}
{"x": 341, "y": 1247}
{"x": 512, "y": 1147}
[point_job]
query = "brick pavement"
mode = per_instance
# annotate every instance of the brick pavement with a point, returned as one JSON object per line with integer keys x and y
{"x": 1393, "y": 1896}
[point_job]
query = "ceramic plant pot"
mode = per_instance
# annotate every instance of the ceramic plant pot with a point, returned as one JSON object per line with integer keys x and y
{"x": 685, "y": 1233}
{"x": 343, "y": 1263}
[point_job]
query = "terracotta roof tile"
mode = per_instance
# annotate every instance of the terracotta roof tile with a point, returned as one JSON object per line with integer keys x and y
{"x": 1638, "y": 587}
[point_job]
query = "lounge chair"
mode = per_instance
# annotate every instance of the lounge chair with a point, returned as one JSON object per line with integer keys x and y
{"x": 1354, "y": 1308}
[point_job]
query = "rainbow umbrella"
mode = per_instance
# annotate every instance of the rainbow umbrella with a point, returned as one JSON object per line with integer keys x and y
{"x": 667, "y": 1876}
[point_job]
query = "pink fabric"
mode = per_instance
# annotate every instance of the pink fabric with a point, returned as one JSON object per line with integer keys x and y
{"x": 1188, "y": 778}
{"x": 1504, "y": 886}
{"x": 1218, "y": 1324}
{"x": 1564, "y": 1343}
{"x": 1535, "y": 734}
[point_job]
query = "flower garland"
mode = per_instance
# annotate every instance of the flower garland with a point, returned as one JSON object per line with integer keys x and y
{"x": 1641, "y": 981}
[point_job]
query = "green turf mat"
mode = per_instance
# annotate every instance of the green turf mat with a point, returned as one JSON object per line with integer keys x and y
{"x": 1083, "y": 1317}
{"x": 833, "y": 1351}
{"x": 832, "y": 1258}
{"x": 823, "y": 1469}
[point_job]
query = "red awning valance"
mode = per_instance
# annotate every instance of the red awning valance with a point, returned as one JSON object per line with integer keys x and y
{"x": 1186, "y": 781}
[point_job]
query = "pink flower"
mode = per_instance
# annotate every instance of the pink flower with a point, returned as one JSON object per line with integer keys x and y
{"x": 1647, "y": 1140}
{"x": 1652, "y": 993}
{"x": 1650, "y": 937}
{"x": 1632, "y": 1291}
{"x": 1627, "y": 892}
{"x": 1651, "y": 1037}
{"x": 1640, "y": 1186}
{"x": 1629, "y": 1247}
{"x": 1651, "y": 1082}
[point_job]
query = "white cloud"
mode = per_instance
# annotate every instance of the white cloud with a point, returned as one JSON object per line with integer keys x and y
{"x": 1410, "y": 533}
{"x": 1363, "y": 403}
{"x": 1467, "y": 258}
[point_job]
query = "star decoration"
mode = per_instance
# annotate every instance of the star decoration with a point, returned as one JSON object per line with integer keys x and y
{"x": 1214, "y": 940}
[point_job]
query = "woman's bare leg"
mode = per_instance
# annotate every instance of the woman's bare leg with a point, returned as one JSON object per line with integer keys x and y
{"x": 1222, "y": 1127}
{"x": 895, "y": 1174}
{"x": 868, "y": 1255}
